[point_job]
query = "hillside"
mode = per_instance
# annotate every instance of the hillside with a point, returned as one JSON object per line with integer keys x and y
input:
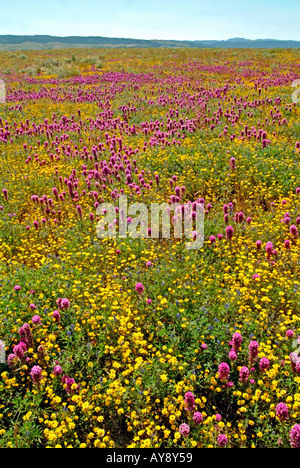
{"x": 42, "y": 42}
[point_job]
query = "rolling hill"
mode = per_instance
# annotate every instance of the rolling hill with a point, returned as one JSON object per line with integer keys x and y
{"x": 43, "y": 42}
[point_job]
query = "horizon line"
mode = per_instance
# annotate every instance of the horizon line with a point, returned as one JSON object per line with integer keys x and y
{"x": 153, "y": 39}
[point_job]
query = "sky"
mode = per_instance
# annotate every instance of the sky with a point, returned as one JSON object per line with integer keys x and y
{"x": 153, "y": 19}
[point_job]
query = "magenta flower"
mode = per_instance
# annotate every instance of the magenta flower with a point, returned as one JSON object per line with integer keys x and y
{"x": 294, "y": 358}
{"x": 253, "y": 350}
{"x": 294, "y": 231}
{"x": 69, "y": 381}
{"x": 189, "y": 397}
{"x": 17, "y": 288}
{"x": 55, "y": 192}
{"x": 25, "y": 334}
{"x": 12, "y": 360}
{"x": 184, "y": 429}
{"x": 282, "y": 411}
{"x": 264, "y": 364}
{"x": 190, "y": 401}
{"x": 237, "y": 340}
{"x": 232, "y": 355}
{"x": 269, "y": 248}
{"x": 177, "y": 191}
{"x": 36, "y": 374}
{"x": 240, "y": 217}
{"x": 5, "y": 194}
{"x": 197, "y": 418}
{"x": 79, "y": 210}
{"x": 295, "y": 436}
{"x": 57, "y": 370}
{"x": 139, "y": 287}
{"x": 229, "y": 232}
{"x": 63, "y": 303}
{"x": 244, "y": 374}
{"x": 194, "y": 235}
{"x": 222, "y": 440}
{"x": 36, "y": 319}
{"x": 18, "y": 351}
{"x": 56, "y": 315}
{"x": 232, "y": 163}
{"x": 223, "y": 371}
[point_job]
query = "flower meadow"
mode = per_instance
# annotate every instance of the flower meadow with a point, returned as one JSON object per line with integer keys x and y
{"x": 141, "y": 343}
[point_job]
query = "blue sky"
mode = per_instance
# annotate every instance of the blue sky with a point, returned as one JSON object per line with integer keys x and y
{"x": 153, "y": 19}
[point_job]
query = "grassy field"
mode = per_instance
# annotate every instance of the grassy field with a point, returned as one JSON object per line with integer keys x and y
{"x": 134, "y": 343}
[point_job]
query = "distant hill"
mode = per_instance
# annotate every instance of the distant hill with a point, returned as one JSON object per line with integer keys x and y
{"x": 39, "y": 42}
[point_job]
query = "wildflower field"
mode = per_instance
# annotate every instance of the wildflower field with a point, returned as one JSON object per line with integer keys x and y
{"x": 141, "y": 343}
